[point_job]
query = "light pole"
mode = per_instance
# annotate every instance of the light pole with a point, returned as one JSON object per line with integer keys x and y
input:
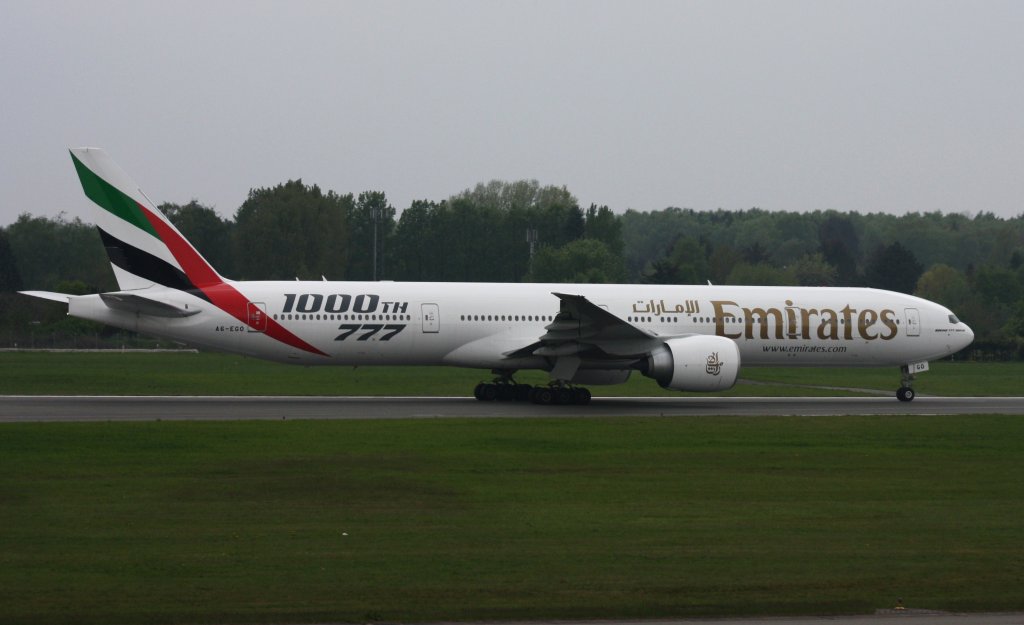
{"x": 531, "y": 238}
{"x": 375, "y": 215}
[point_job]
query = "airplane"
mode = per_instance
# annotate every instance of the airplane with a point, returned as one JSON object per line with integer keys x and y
{"x": 685, "y": 337}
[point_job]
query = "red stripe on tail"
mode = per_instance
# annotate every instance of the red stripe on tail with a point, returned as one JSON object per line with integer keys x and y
{"x": 222, "y": 294}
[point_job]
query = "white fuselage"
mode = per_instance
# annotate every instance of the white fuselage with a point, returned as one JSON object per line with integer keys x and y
{"x": 478, "y": 324}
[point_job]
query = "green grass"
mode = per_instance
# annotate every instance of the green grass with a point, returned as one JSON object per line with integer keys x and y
{"x": 247, "y": 522}
{"x": 44, "y": 373}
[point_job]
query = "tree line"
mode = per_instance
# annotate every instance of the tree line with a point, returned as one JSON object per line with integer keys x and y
{"x": 523, "y": 231}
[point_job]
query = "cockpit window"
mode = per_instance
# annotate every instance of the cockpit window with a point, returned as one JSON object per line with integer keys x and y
{"x": 953, "y": 319}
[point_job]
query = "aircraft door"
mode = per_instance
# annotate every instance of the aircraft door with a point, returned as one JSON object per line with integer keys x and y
{"x": 913, "y": 322}
{"x": 431, "y": 318}
{"x": 257, "y": 312}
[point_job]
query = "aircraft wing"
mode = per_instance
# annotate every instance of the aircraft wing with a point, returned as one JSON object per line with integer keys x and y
{"x": 584, "y": 329}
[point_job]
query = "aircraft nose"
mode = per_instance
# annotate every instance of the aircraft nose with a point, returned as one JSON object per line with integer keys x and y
{"x": 968, "y": 336}
{"x": 960, "y": 337}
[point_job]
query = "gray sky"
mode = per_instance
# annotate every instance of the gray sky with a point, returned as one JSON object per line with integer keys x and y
{"x": 862, "y": 105}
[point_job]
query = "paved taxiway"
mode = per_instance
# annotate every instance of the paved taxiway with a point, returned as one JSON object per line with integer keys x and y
{"x": 883, "y": 617}
{"x": 48, "y": 408}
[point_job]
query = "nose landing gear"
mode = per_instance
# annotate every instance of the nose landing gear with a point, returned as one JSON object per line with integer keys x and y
{"x": 906, "y": 389}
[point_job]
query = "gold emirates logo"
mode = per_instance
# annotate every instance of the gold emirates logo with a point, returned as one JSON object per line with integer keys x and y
{"x": 794, "y": 322}
{"x": 714, "y": 365}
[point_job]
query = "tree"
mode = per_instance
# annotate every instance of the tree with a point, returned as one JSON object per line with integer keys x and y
{"x": 892, "y": 267}
{"x": 944, "y": 285}
{"x": 10, "y": 279}
{"x": 685, "y": 263}
{"x": 721, "y": 261}
{"x": 475, "y": 245}
{"x": 1015, "y": 324}
{"x": 291, "y": 231}
{"x": 604, "y": 225}
{"x": 840, "y": 246}
{"x": 583, "y": 261}
{"x": 812, "y": 270}
{"x": 761, "y": 274}
{"x": 413, "y": 252}
{"x": 996, "y": 285}
{"x": 574, "y": 224}
{"x": 207, "y": 232}
{"x": 48, "y": 250}
{"x": 372, "y": 223}
{"x": 494, "y": 219}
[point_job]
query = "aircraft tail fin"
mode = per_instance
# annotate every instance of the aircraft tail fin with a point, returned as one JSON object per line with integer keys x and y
{"x": 144, "y": 247}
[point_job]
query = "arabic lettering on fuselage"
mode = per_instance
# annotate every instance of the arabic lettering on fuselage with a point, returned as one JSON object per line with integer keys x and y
{"x": 787, "y": 322}
{"x": 651, "y": 307}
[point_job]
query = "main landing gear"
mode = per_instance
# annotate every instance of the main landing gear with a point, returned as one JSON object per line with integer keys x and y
{"x": 504, "y": 388}
{"x": 906, "y": 389}
{"x": 561, "y": 394}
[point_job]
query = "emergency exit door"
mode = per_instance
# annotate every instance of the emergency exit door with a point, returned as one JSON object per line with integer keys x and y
{"x": 431, "y": 318}
{"x": 913, "y": 322}
{"x": 257, "y": 317}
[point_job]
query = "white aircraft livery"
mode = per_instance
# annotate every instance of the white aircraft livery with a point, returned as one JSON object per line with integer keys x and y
{"x": 687, "y": 338}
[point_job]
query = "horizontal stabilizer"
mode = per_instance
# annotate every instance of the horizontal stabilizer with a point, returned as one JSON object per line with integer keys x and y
{"x": 130, "y": 302}
{"x": 64, "y": 298}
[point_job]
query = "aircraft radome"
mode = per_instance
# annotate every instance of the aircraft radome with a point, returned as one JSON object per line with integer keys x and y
{"x": 686, "y": 337}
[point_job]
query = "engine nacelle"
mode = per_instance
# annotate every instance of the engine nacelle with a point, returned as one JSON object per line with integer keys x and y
{"x": 695, "y": 363}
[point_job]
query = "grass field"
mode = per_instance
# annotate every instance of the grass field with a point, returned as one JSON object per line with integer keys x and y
{"x": 43, "y": 373}
{"x": 360, "y": 521}
{"x": 180, "y": 522}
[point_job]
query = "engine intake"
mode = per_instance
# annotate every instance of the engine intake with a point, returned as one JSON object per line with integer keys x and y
{"x": 695, "y": 363}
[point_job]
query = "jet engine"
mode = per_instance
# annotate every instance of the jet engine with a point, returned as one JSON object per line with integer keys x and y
{"x": 695, "y": 363}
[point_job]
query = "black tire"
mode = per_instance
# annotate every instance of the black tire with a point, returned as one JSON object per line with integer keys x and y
{"x": 506, "y": 392}
{"x": 563, "y": 396}
{"x": 905, "y": 394}
{"x": 489, "y": 392}
{"x": 543, "y": 395}
{"x": 524, "y": 392}
{"x": 581, "y": 396}
{"x": 478, "y": 391}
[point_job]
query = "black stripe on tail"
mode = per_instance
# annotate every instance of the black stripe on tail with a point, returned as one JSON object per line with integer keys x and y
{"x": 146, "y": 266}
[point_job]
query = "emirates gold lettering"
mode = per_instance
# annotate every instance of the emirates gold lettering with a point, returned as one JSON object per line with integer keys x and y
{"x": 796, "y": 322}
{"x": 790, "y": 320}
{"x": 828, "y": 329}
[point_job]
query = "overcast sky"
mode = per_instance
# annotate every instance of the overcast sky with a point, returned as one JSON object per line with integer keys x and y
{"x": 862, "y": 106}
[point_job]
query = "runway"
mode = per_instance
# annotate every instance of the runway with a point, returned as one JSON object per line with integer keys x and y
{"x": 90, "y": 408}
{"x": 882, "y": 617}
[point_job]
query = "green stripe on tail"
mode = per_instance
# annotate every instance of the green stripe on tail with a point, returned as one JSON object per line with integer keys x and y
{"x": 109, "y": 198}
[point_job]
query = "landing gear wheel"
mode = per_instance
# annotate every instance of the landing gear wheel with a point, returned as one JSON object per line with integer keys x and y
{"x": 524, "y": 392}
{"x": 502, "y": 388}
{"x": 906, "y": 389}
{"x": 506, "y": 392}
{"x": 489, "y": 392}
{"x": 543, "y": 395}
{"x": 580, "y": 396}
